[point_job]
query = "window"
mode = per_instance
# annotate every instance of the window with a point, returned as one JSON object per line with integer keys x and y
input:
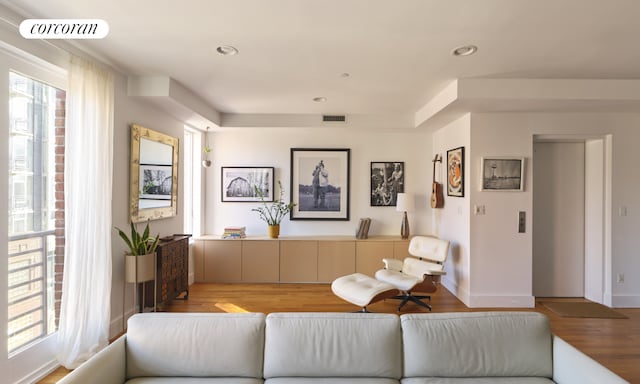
{"x": 192, "y": 180}
{"x": 36, "y": 203}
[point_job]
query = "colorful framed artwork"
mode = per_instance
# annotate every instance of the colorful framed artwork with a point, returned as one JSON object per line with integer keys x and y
{"x": 455, "y": 172}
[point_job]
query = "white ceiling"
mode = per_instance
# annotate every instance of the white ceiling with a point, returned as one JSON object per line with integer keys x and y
{"x": 398, "y": 53}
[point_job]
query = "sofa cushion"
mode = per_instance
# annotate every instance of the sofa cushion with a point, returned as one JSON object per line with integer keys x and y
{"x": 195, "y": 345}
{"x": 333, "y": 345}
{"x": 194, "y": 380}
{"x": 477, "y": 380}
{"x": 331, "y": 380}
{"x": 512, "y": 344}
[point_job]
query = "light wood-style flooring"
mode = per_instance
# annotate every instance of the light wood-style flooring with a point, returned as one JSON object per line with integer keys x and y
{"x": 614, "y": 343}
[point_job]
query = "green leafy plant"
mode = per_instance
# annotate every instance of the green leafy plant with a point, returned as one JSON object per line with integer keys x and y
{"x": 273, "y": 213}
{"x": 140, "y": 244}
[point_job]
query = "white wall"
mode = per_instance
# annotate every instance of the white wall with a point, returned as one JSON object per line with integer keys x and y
{"x": 452, "y": 221}
{"x": 502, "y": 259}
{"x": 130, "y": 110}
{"x": 271, "y": 147}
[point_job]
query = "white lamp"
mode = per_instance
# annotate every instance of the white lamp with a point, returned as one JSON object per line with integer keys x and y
{"x": 405, "y": 203}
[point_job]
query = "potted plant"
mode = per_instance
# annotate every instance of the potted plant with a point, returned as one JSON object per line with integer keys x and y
{"x": 140, "y": 260}
{"x": 273, "y": 213}
{"x": 206, "y": 150}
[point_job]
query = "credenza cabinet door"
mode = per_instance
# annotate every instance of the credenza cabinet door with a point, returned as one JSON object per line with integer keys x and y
{"x": 299, "y": 261}
{"x": 261, "y": 261}
{"x": 369, "y": 255}
{"x": 222, "y": 261}
{"x": 335, "y": 259}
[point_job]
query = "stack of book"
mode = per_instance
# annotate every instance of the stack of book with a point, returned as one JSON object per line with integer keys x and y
{"x": 363, "y": 228}
{"x": 234, "y": 233}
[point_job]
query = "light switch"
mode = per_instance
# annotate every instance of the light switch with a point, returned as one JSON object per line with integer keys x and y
{"x": 522, "y": 222}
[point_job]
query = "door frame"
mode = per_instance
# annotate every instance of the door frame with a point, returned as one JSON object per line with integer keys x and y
{"x": 598, "y": 162}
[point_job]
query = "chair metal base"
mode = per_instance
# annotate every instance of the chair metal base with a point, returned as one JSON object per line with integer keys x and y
{"x": 414, "y": 299}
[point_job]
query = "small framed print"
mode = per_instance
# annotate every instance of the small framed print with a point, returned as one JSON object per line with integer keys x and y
{"x": 501, "y": 173}
{"x": 455, "y": 172}
{"x": 387, "y": 180}
{"x": 247, "y": 184}
{"x": 320, "y": 184}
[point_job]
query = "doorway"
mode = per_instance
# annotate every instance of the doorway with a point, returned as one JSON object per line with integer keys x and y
{"x": 568, "y": 218}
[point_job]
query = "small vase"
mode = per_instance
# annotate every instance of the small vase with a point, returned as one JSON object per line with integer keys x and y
{"x": 274, "y": 231}
{"x": 206, "y": 163}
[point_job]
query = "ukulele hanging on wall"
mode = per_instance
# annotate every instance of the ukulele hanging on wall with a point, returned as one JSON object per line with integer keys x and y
{"x": 437, "y": 199}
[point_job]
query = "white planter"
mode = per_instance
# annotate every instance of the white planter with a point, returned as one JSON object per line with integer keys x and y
{"x": 143, "y": 266}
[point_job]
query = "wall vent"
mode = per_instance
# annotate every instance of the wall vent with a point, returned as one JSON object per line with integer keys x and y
{"x": 334, "y": 118}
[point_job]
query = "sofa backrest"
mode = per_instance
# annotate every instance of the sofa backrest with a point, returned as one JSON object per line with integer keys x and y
{"x": 476, "y": 344}
{"x": 333, "y": 345}
{"x": 195, "y": 344}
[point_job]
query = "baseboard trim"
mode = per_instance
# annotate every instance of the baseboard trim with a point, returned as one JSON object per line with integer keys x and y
{"x": 482, "y": 301}
{"x": 117, "y": 327}
{"x": 459, "y": 292}
{"x": 40, "y": 373}
{"x": 625, "y": 301}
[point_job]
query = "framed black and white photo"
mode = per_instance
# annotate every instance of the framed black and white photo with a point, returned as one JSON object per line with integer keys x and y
{"x": 156, "y": 185}
{"x": 387, "y": 180}
{"x": 247, "y": 184}
{"x": 320, "y": 184}
{"x": 455, "y": 172}
{"x": 501, "y": 173}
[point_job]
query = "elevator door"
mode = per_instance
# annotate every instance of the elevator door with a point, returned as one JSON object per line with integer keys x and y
{"x": 558, "y": 222}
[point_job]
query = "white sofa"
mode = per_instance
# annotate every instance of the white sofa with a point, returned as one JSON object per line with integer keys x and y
{"x": 325, "y": 348}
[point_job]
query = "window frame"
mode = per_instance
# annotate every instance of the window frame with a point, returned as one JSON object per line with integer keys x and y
{"x": 32, "y": 362}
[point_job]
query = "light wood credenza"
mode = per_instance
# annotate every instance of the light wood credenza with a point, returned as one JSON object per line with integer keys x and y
{"x": 291, "y": 259}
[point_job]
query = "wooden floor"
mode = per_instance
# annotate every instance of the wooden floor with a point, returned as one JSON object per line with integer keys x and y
{"x": 614, "y": 343}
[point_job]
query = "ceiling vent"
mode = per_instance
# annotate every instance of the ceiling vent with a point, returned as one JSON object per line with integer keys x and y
{"x": 334, "y": 118}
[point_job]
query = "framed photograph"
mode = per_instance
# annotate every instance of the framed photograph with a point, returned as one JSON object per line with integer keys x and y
{"x": 502, "y": 173}
{"x": 455, "y": 172}
{"x": 156, "y": 184}
{"x": 387, "y": 180}
{"x": 247, "y": 184}
{"x": 320, "y": 184}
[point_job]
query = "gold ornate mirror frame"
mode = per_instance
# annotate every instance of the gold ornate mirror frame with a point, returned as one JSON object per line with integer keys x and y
{"x": 154, "y": 175}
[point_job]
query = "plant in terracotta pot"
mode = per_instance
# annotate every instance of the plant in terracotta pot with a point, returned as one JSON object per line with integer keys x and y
{"x": 140, "y": 260}
{"x": 273, "y": 213}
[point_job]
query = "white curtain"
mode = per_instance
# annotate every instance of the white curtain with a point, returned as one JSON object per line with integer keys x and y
{"x": 86, "y": 288}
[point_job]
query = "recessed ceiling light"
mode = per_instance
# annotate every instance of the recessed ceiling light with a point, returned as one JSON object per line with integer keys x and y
{"x": 227, "y": 50}
{"x": 320, "y": 99}
{"x": 465, "y": 50}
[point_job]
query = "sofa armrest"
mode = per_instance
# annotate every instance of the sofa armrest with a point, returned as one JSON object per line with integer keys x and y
{"x": 105, "y": 367}
{"x": 570, "y": 366}
{"x": 392, "y": 264}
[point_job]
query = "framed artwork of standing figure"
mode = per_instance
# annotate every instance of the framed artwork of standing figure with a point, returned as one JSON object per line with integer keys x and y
{"x": 320, "y": 184}
{"x": 455, "y": 172}
{"x": 387, "y": 180}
